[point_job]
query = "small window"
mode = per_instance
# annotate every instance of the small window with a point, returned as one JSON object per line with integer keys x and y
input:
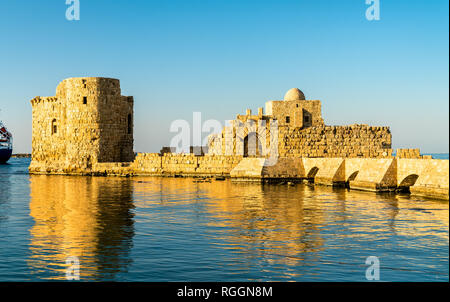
{"x": 297, "y": 105}
{"x": 288, "y": 119}
{"x": 84, "y": 83}
{"x": 85, "y": 100}
{"x": 130, "y": 124}
{"x": 54, "y": 127}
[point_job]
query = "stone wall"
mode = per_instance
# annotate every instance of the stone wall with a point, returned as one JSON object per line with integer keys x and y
{"x": 408, "y": 153}
{"x": 296, "y": 113}
{"x": 267, "y": 169}
{"x": 335, "y": 141}
{"x": 425, "y": 177}
{"x": 218, "y": 165}
{"x": 48, "y": 113}
{"x": 371, "y": 174}
{"x": 327, "y": 171}
{"x": 183, "y": 164}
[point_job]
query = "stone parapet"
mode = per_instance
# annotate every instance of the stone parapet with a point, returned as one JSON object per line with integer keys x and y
{"x": 184, "y": 164}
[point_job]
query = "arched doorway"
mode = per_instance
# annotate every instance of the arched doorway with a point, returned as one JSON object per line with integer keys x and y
{"x": 252, "y": 145}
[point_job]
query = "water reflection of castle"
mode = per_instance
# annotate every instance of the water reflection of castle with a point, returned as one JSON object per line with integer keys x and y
{"x": 288, "y": 224}
{"x": 89, "y": 218}
{"x": 260, "y": 221}
{"x": 92, "y": 218}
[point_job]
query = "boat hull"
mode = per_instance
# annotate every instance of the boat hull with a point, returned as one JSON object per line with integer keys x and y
{"x": 5, "y": 155}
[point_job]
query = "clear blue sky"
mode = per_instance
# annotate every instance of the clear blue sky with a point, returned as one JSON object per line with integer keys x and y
{"x": 223, "y": 56}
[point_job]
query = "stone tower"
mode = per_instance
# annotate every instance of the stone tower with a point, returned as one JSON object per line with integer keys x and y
{"x": 87, "y": 122}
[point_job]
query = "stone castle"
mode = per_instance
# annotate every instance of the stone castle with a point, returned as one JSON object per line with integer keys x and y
{"x": 87, "y": 129}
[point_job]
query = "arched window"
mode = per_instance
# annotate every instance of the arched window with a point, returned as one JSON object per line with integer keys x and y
{"x": 54, "y": 126}
{"x": 252, "y": 145}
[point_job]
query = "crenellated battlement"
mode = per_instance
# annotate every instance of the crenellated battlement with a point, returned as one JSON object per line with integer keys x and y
{"x": 40, "y": 99}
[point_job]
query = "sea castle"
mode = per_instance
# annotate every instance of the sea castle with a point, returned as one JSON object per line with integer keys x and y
{"x": 87, "y": 129}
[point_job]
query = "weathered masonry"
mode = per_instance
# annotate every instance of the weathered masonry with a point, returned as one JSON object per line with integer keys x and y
{"x": 87, "y": 129}
{"x": 87, "y": 122}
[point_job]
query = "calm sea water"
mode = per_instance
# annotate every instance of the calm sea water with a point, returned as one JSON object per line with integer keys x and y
{"x": 172, "y": 229}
